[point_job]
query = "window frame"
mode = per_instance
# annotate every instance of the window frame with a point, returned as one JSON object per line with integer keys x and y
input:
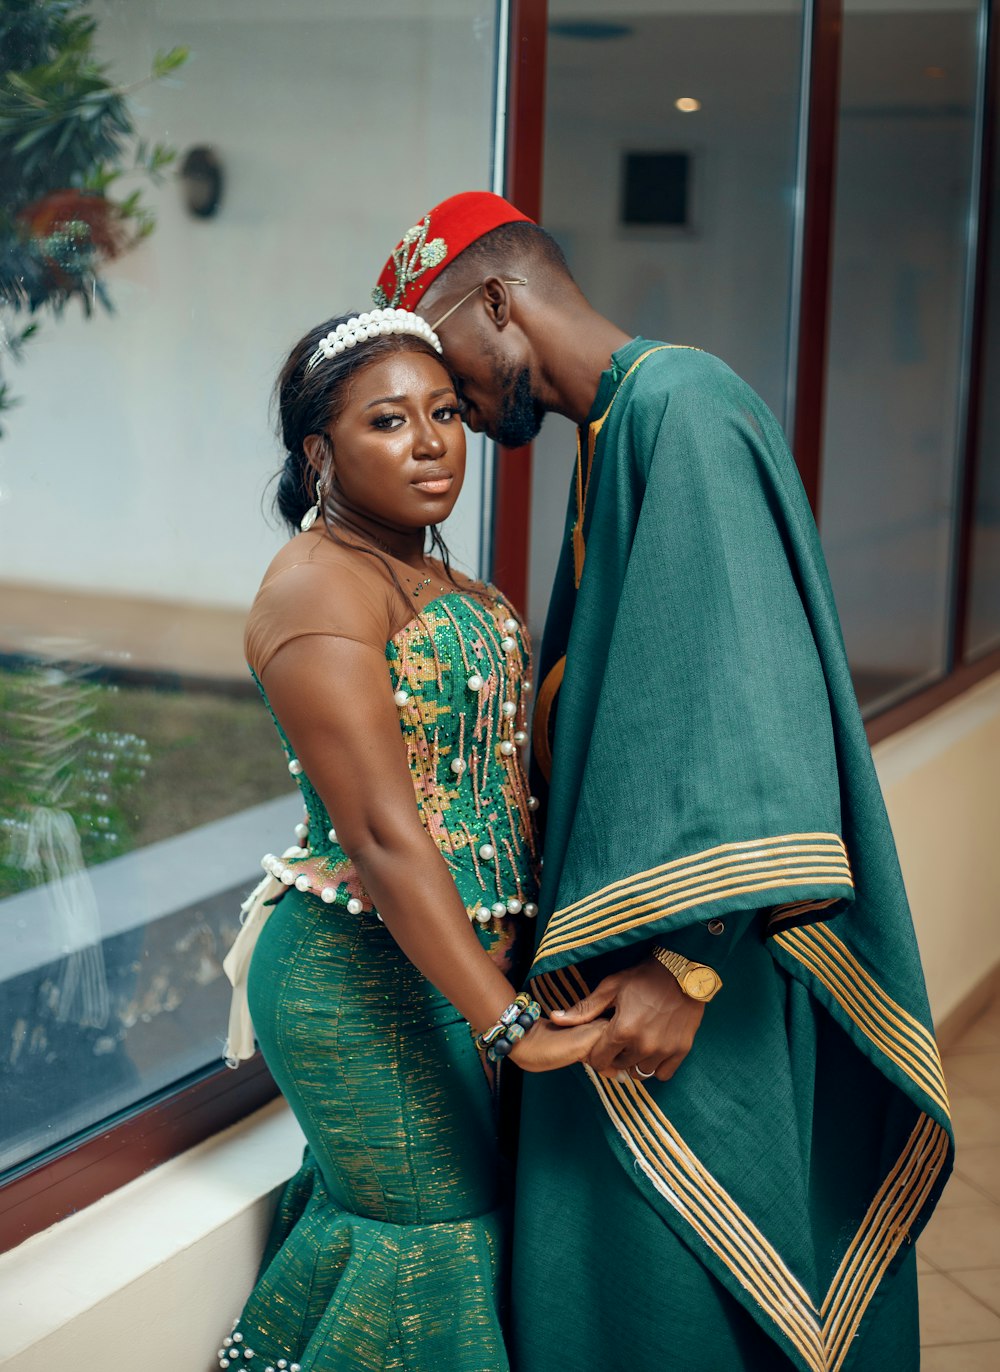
{"x": 524, "y": 155}
{"x": 961, "y": 671}
{"x": 809, "y": 326}
{"x": 47, "y": 1189}
{"x": 962, "y": 659}
{"x": 85, "y": 1168}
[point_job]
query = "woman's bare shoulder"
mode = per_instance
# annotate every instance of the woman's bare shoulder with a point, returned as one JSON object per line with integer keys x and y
{"x": 314, "y": 587}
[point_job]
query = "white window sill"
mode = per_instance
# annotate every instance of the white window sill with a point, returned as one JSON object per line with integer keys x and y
{"x": 154, "y": 1274}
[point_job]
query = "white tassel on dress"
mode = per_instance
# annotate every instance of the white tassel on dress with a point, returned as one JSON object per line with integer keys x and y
{"x": 256, "y": 911}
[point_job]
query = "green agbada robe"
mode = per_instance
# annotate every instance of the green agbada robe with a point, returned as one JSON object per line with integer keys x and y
{"x": 712, "y": 790}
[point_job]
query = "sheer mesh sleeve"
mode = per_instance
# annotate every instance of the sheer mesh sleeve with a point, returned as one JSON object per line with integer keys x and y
{"x": 324, "y": 590}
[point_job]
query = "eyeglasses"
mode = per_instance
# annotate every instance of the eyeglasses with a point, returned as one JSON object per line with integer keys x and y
{"x": 516, "y": 281}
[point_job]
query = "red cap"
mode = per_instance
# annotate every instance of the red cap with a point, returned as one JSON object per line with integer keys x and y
{"x": 434, "y": 243}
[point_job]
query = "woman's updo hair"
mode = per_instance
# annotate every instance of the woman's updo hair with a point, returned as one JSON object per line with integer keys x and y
{"x": 309, "y": 401}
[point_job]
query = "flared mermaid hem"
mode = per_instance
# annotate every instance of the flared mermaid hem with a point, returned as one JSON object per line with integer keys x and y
{"x": 339, "y": 1292}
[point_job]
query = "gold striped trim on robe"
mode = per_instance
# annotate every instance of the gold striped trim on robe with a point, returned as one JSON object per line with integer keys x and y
{"x": 583, "y": 478}
{"x": 787, "y": 914}
{"x": 698, "y": 1198}
{"x": 730, "y": 869}
{"x": 895, "y": 1032}
{"x": 822, "y": 1337}
{"x": 886, "y": 1225}
{"x": 541, "y": 748}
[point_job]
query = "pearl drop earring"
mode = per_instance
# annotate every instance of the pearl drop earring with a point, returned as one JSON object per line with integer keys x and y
{"x": 313, "y": 513}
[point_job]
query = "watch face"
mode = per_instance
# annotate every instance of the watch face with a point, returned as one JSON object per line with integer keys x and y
{"x": 700, "y": 983}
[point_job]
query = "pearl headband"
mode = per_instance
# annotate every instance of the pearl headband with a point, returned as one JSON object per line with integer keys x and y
{"x": 374, "y": 324}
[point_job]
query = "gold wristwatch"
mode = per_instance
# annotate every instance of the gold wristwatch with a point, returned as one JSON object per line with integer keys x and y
{"x": 696, "y": 979}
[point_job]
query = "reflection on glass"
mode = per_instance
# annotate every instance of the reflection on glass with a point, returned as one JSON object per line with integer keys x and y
{"x": 140, "y": 780}
{"x": 115, "y": 912}
{"x": 983, "y": 626}
{"x": 713, "y": 97}
{"x": 904, "y": 181}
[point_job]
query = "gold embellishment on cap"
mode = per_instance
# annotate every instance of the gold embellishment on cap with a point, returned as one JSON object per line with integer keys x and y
{"x": 412, "y": 258}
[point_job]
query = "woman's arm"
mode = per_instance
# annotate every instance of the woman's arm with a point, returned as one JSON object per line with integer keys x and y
{"x": 334, "y": 699}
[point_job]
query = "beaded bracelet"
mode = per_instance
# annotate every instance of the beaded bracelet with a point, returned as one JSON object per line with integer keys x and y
{"x": 510, "y": 1028}
{"x": 520, "y": 1002}
{"x": 515, "y": 1032}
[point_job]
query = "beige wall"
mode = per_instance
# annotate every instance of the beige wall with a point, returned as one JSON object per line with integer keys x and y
{"x": 941, "y": 780}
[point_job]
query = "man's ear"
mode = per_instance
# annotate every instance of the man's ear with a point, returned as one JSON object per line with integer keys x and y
{"x": 496, "y": 301}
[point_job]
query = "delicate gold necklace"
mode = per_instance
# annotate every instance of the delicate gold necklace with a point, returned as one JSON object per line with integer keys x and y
{"x": 365, "y": 536}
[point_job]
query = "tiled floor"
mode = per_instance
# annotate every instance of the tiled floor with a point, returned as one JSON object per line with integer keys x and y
{"x": 959, "y": 1253}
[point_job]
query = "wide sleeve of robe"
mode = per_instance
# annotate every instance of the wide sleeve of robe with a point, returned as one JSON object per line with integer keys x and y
{"x": 695, "y": 780}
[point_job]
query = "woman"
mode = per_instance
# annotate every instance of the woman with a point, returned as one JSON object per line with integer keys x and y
{"x": 399, "y": 692}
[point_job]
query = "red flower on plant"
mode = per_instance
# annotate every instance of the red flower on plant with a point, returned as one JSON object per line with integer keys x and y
{"x": 61, "y": 211}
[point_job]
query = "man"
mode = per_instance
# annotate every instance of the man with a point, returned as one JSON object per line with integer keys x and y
{"x": 733, "y": 1184}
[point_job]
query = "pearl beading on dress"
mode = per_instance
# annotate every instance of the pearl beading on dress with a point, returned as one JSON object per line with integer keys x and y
{"x": 278, "y": 867}
{"x": 373, "y": 324}
{"x": 490, "y": 671}
{"x": 235, "y": 1353}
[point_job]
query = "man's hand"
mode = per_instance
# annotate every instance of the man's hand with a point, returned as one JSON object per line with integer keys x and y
{"x": 652, "y": 1026}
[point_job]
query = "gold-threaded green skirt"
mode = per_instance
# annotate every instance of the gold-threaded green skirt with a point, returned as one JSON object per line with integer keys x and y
{"x": 387, "y": 1248}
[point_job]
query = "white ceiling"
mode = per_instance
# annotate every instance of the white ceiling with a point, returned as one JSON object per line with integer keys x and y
{"x": 753, "y": 58}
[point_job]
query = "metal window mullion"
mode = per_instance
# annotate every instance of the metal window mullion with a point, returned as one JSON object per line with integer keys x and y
{"x": 798, "y": 214}
{"x": 818, "y": 168}
{"x": 967, "y": 438}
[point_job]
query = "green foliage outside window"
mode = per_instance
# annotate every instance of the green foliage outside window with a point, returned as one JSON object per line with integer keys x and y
{"x": 67, "y": 779}
{"x": 118, "y": 767}
{"x": 67, "y": 142}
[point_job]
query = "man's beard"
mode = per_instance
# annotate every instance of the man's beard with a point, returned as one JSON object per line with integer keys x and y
{"x": 521, "y": 414}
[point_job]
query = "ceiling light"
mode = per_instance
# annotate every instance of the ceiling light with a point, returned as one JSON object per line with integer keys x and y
{"x": 687, "y": 104}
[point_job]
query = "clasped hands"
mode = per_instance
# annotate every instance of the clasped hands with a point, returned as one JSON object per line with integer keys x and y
{"x": 652, "y": 1026}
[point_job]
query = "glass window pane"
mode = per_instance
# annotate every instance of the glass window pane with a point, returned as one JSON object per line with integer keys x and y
{"x": 904, "y": 181}
{"x": 140, "y": 777}
{"x": 691, "y": 109}
{"x": 983, "y": 628}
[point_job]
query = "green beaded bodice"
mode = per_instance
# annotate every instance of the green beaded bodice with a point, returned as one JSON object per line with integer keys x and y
{"x": 460, "y": 676}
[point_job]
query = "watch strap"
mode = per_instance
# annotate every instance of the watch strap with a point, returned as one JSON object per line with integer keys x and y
{"x": 677, "y": 965}
{"x": 673, "y": 962}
